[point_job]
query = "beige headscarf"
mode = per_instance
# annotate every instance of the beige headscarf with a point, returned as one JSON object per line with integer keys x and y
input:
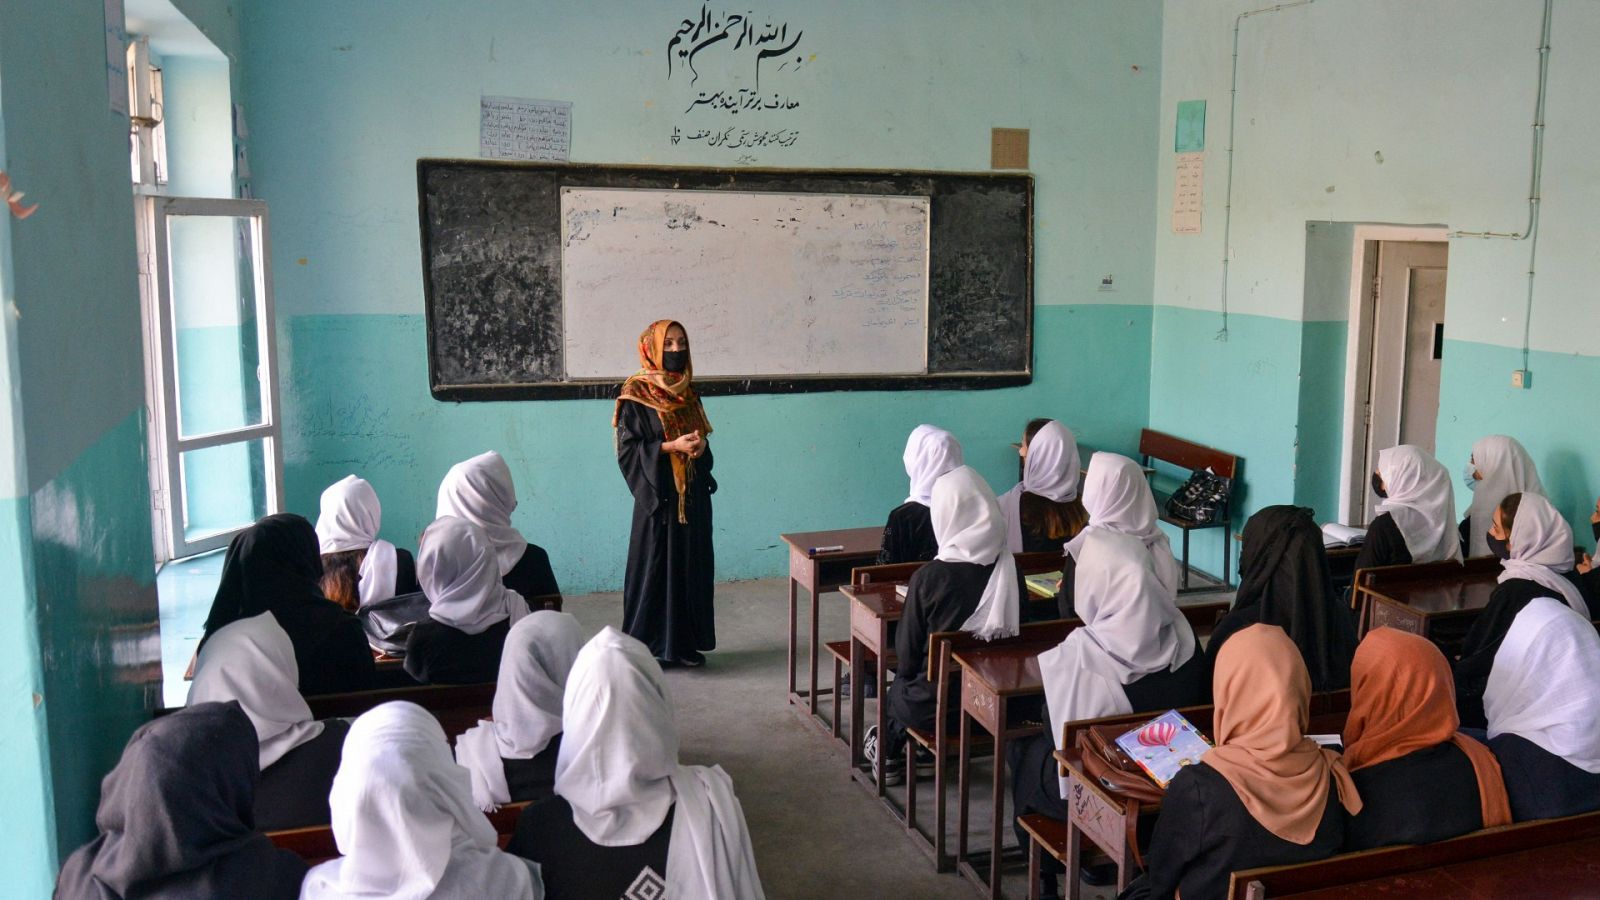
{"x": 1263, "y": 696}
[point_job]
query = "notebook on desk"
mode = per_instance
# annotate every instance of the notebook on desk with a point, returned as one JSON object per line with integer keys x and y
{"x": 1164, "y": 745}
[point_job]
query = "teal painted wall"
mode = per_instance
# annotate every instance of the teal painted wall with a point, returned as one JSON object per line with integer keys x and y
{"x": 344, "y": 97}
{"x": 784, "y": 463}
{"x": 1321, "y": 414}
{"x": 86, "y": 608}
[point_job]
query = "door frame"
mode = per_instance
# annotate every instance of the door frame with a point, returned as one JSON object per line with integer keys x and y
{"x": 1363, "y": 269}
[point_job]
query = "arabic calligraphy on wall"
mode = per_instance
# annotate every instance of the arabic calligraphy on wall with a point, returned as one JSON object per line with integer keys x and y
{"x": 735, "y": 75}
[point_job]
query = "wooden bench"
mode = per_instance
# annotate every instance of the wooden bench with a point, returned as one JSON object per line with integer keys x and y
{"x": 1549, "y": 858}
{"x": 1157, "y": 446}
{"x": 315, "y": 843}
{"x": 1436, "y": 600}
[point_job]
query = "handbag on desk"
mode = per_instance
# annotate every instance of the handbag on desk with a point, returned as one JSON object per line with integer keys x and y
{"x": 1202, "y": 499}
{"x": 1107, "y": 764}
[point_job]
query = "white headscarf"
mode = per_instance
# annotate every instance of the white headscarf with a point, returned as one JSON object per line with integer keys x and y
{"x": 1131, "y": 628}
{"x": 1545, "y": 684}
{"x": 350, "y": 518}
{"x": 1541, "y": 549}
{"x": 534, "y": 664}
{"x": 252, "y": 661}
{"x": 1051, "y": 471}
{"x": 1116, "y": 495}
{"x": 618, "y": 769}
{"x": 970, "y": 529}
{"x": 404, "y": 820}
{"x": 1506, "y": 469}
{"x": 1421, "y": 503}
{"x": 930, "y": 452}
{"x": 480, "y": 490}
{"x": 456, "y": 568}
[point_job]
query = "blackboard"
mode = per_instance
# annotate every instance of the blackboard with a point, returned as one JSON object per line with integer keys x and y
{"x": 491, "y": 264}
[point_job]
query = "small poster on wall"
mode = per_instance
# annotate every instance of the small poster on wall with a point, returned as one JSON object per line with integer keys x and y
{"x": 516, "y": 128}
{"x": 1188, "y": 193}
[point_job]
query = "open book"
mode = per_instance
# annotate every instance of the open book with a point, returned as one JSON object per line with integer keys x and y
{"x": 1164, "y": 745}
{"x": 1336, "y": 535}
{"x": 1043, "y": 585}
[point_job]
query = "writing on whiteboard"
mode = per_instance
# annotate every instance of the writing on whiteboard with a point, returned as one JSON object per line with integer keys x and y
{"x": 516, "y": 128}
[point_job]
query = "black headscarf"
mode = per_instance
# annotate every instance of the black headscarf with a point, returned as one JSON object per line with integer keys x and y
{"x": 176, "y": 818}
{"x": 272, "y": 565}
{"x": 1284, "y": 578}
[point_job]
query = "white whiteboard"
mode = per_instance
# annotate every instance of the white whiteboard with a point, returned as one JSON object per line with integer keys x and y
{"x": 765, "y": 284}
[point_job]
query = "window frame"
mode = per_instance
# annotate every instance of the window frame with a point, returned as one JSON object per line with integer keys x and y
{"x": 167, "y": 442}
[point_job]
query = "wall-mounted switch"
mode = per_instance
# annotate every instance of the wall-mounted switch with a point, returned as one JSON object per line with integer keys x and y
{"x": 1522, "y": 378}
{"x": 1108, "y": 283}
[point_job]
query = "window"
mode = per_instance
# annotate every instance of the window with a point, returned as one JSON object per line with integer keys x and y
{"x": 211, "y": 361}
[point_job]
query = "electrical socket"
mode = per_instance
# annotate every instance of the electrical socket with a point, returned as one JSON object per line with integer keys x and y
{"x": 1521, "y": 378}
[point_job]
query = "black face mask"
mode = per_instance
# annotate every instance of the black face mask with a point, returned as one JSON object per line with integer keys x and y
{"x": 1498, "y": 547}
{"x": 674, "y": 360}
{"x": 1377, "y": 486}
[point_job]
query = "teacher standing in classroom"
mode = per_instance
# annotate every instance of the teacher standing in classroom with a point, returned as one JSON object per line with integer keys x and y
{"x": 662, "y": 451}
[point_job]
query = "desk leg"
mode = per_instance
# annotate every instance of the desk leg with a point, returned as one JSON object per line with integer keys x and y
{"x": 1033, "y": 870}
{"x": 857, "y": 662}
{"x": 961, "y": 788}
{"x": 1186, "y": 559}
{"x": 794, "y": 627}
{"x": 1074, "y": 861}
{"x": 816, "y": 579}
{"x": 882, "y": 705}
{"x": 997, "y": 815}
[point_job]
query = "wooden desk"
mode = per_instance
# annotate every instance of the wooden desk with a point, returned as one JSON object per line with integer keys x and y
{"x": 990, "y": 678}
{"x": 1439, "y": 610}
{"x": 819, "y": 573}
{"x": 873, "y": 608}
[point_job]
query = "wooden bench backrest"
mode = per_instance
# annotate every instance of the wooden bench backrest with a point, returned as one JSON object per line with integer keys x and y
{"x": 315, "y": 843}
{"x": 893, "y": 573}
{"x": 1040, "y": 562}
{"x": 1375, "y": 578}
{"x": 1186, "y": 454}
{"x": 1350, "y": 868}
{"x": 1203, "y": 617}
{"x": 1331, "y": 703}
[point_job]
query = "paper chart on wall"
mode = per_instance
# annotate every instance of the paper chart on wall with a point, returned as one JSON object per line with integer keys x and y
{"x": 517, "y": 128}
{"x": 1188, "y": 193}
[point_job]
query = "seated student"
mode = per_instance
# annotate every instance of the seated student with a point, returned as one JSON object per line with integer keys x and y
{"x": 1590, "y": 581}
{"x": 512, "y": 756}
{"x": 1421, "y": 780}
{"x": 175, "y": 818}
{"x": 251, "y": 662}
{"x": 1416, "y": 522}
{"x": 480, "y": 491}
{"x": 1116, "y": 495}
{"x": 1538, "y": 547}
{"x": 908, "y": 535}
{"x": 1497, "y": 467}
{"x": 1284, "y": 581}
{"x": 274, "y": 566}
{"x": 358, "y": 567}
{"x": 627, "y": 820}
{"x": 1135, "y": 652}
{"x": 1541, "y": 701}
{"x": 1266, "y": 795}
{"x": 470, "y": 610}
{"x": 404, "y": 820}
{"x": 1044, "y": 510}
{"x": 973, "y": 585}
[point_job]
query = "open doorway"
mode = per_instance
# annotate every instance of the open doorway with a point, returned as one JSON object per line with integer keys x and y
{"x": 1396, "y": 346}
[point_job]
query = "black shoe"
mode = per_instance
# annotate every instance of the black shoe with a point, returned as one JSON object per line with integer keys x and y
{"x": 1098, "y": 876}
{"x": 924, "y": 759}
{"x": 692, "y": 659}
{"x": 894, "y": 772}
{"x": 869, "y": 692}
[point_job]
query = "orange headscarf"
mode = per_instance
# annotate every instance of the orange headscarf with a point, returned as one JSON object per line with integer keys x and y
{"x": 1263, "y": 696}
{"x": 1402, "y": 699}
{"x": 672, "y": 396}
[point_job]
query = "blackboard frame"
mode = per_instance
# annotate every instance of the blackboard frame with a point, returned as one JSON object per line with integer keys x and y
{"x": 935, "y": 185}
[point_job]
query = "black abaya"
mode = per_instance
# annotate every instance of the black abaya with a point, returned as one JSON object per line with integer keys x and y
{"x": 294, "y": 790}
{"x": 1384, "y": 545}
{"x": 437, "y": 653}
{"x": 176, "y": 820}
{"x": 1483, "y": 642}
{"x": 667, "y": 590}
{"x": 908, "y": 535}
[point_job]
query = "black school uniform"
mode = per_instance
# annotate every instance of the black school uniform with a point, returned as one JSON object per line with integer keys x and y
{"x": 533, "y": 780}
{"x": 1425, "y": 796}
{"x": 437, "y": 653}
{"x": 405, "y": 572}
{"x": 1204, "y": 834}
{"x": 532, "y": 576}
{"x": 1540, "y": 784}
{"x": 1035, "y": 785}
{"x": 908, "y": 535}
{"x": 576, "y": 868}
{"x": 293, "y": 792}
{"x": 1384, "y": 545}
{"x": 941, "y": 597}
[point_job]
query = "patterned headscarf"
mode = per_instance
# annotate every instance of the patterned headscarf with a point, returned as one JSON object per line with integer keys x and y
{"x": 672, "y": 396}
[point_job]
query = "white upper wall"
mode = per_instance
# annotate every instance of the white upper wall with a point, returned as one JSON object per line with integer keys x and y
{"x": 1443, "y": 92}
